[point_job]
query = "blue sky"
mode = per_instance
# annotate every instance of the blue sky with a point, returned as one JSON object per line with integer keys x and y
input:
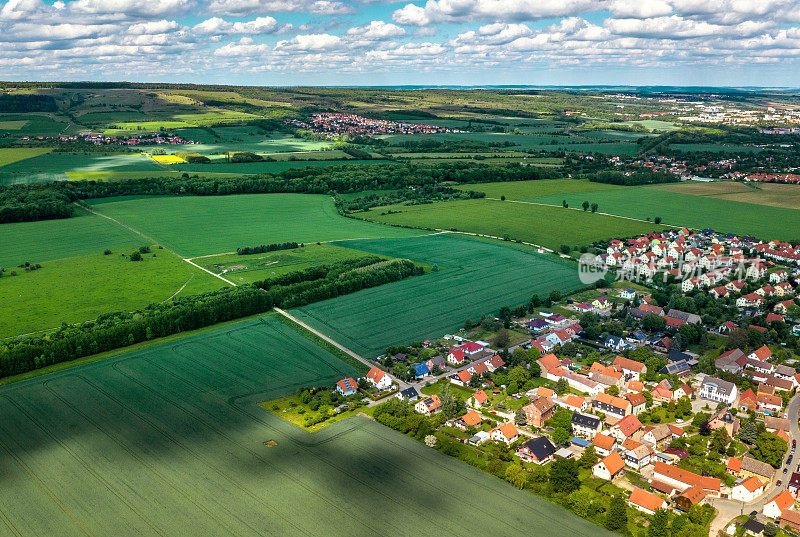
{"x": 375, "y": 42}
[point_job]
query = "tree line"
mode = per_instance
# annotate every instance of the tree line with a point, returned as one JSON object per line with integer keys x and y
{"x": 633, "y": 179}
{"x": 275, "y": 246}
{"x": 51, "y": 200}
{"x": 120, "y": 329}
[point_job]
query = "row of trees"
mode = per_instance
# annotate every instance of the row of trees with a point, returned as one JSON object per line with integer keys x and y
{"x": 115, "y": 330}
{"x": 632, "y": 179}
{"x": 335, "y": 280}
{"x": 275, "y": 246}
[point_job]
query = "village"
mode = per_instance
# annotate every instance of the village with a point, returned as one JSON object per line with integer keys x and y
{"x": 677, "y": 408}
{"x": 336, "y": 124}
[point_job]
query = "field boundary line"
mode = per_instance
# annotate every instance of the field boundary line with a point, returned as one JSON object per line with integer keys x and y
{"x": 151, "y": 239}
{"x": 581, "y": 210}
{"x": 329, "y": 340}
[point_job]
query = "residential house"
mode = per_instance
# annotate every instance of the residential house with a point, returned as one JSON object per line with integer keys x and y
{"x": 507, "y": 433}
{"x": 752, "y": 300}
{"x": 379, "y": 378}
{"x": 630, "y": 368}
{"x": 429, "y": 405}
{"x": 410, "y": 394}
{"x": 690, "y": 318}
{"x": 718, "y": 390}
{"x": 471, "y": 348}
{"x": 582, "y": 384}
{"x": 748, "y": 400}
{"x": 775, "y": 507}
{"x": 603, "y": 444}
{"x": 616, "y": 343}
{"x": 637, "y": 401}
{"x": 537, "y": 450}
{"x": 646, "y": 502}
{"x": 461, "y": 378}
{"x": 478, "y": 399}
{"x": 573, "y": 402}
{"x": 436, "y": 361}
{"x": 421, "y": 371}
{"x": 347, "y": 386}
{"x": 609, "y": 467}
{"x": 456, "y": 357}
{"x": 769, "y": 403}
{"x": 732, "y": 361}
{"x": 747, "y": 489}
{"x": 733, "y": 466}
{"x": 793, "y": 485}
{"x": 659, "y": 436}
{"x": 752, "y": 467}
{"x": 783, "y": 306}
{"x": 611, "y": 405}
{"x": 790, "y": 519}
{"x": 550, "y": 367}
{"x": 689, "y": 497}
{"x": 470, "y": 419}
{"x": 774, "y": 424}
{"x": 585, "y": 426}
{"x": 539, "y": 410}
{"x": 762, "y": 353}
{"x": 626, "y": 427}
{"x": 635, "y": 454}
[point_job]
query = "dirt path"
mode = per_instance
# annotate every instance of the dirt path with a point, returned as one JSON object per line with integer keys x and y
{"x": 153, "y": 241}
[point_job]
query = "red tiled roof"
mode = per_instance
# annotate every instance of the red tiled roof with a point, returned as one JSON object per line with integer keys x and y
{"x": 645, "y": 499}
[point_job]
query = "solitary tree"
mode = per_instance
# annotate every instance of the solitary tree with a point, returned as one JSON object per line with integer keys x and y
{"x": 617, "y": 514}
{"x": 594, "y": 207}
{"x": 585, "y": 205}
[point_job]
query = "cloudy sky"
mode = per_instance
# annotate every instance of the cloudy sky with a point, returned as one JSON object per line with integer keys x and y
{"x": 381, "y": 42}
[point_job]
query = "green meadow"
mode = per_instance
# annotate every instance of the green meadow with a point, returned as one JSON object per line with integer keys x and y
{"x": 202, "y": 225}
{"x": 84, "y": 233}
{"x": 688, "y": 210}
{"x": 538, "y": 224}
{"x": 474, "y": 278}
{"x": 527, "y": 190}
{"x": 242, "y": 269}
{"x": 77, "y": 289}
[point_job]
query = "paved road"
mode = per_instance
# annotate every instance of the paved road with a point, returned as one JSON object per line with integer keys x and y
{"x": 729, "y": 509}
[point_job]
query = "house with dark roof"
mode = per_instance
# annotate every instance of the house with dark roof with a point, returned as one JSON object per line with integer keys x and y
{"x": 585, "y": 425}
{"x": 537, "y": 450}
{"x": 409, "y": 394}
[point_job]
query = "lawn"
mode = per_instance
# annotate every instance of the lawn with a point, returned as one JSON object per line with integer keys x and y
{"x": 202, "y": 225}
{"x": 9, "y": 155}
{"x": 170, "y": 440}
{"x": 256, "y": 267}
{"x": 82, "y": 288}
{"x": 689, "y": 210}
{"x": 547, "y": 226}
{"x": 476, "y": 278}
{"x": 12, "y": 125}
{"x": 46, "y": 240}
{"x": 526, "y": 190}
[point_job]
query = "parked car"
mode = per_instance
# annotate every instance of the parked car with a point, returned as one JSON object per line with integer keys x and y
{"x": 785, "y": 470}
{"x": 779, "y": 482}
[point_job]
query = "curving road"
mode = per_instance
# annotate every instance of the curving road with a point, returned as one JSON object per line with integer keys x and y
{"x": 729, "y": 509}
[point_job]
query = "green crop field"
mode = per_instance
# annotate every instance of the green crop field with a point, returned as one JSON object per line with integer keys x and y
{"x": 689, "y": 210}
{"x": 9, "y": 155}
{"x": 539, "y": 224}
{"x": 74, "y": 162}
{"x": 476, "y": 277}
{"x": 527, "y": 190}
{"x": 252, "y": 268}
{"x": 263, "y": 167}
{"x": 12, "y": 125}
{"x": 202, "y": 225}
{"x": 35, "y": 124}
{"x": 82, "y": 288}
{"x": 46, "y": 240}
{"x": 169, "y": 441}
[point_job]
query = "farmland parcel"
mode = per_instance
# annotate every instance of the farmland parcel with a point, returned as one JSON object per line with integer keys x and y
{"x": 476, "y": 277}
{"x": 547, "y": 226}
{"x": 699, "y": 212}
{"x": 202, "y": 225}
{"x": 169, "y": 441}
